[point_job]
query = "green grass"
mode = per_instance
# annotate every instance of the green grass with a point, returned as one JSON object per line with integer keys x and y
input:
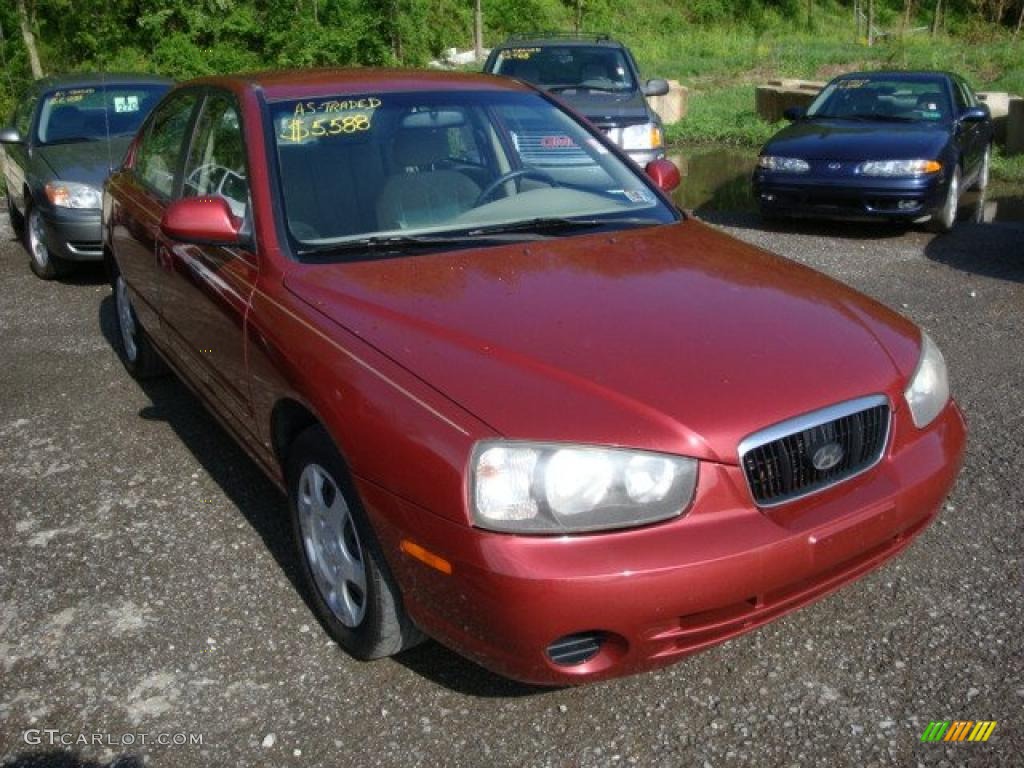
{"x": 722, "y": 116}
{"x": 1008, "y": 168}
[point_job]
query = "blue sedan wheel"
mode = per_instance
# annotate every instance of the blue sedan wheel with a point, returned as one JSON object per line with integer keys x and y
{"x": 945, "y": 218}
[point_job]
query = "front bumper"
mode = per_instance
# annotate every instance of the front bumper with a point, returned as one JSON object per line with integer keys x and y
{"x": 74, "y": 235}
{"x": 848, "y": 197}
{"x": 644, "y": 156}
{"x": 659, "y": 593}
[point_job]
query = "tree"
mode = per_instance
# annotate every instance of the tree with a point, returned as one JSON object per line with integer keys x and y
{"x": 30, "y": 40}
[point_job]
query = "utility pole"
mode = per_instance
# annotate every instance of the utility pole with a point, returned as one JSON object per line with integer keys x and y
{"x": 478, "y": 31}
{"x": 30, "y": 40}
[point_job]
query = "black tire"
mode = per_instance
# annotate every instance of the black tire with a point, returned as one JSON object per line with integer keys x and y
{"x": 981, "y": 183}
{"x": 43, "y": 262}
{"x": 944, "y": 219}
{"x": 382, "y": 628}
{"x": 16, "y": 219}
{"x": 140, "y": 359}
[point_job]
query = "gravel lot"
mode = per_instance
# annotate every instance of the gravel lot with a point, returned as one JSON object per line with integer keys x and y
{"x": 147, "y": 584}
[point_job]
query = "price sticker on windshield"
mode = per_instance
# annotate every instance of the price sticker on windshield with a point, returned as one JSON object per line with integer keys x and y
{"x": 312, "y": 120}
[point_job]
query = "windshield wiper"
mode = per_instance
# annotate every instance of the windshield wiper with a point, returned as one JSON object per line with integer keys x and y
{"x": 580, "y": 87}
{"x": 392, "y": 243}
{"x": 555, "y": 223}
{"x": 69, "y": 140}
{"x": 531, "y": 229}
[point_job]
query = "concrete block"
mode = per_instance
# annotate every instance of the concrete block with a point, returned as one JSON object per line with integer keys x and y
{"x": 673, "y": 106}
{"x": 776, "y": 96}
{"x": 1015, "y": 126}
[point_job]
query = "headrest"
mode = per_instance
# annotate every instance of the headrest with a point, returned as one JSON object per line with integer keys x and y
{"x": 421, "y": 146}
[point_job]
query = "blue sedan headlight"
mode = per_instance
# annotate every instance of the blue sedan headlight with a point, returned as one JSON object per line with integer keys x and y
{"x": 891, "y": 168}
{"x": 783, "y": 164}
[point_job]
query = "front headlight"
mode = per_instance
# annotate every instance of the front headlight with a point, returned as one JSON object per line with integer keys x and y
{"x": 561, "y": 488}
{"x": 928, "y": 390}
{"x": 783, "y": 164}
{"x": 71, "y": 194}
{"x": 911, "y": 168}
{"x": 644, "y": 136}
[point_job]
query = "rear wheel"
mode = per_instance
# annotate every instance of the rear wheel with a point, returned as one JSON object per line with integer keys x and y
{"x": 945, "y": 217}
{"x": 986, "y": 161}
{"x": 137, "y": 353}
{"x": 347, "y": 577}
{"x": 43, "y": 262}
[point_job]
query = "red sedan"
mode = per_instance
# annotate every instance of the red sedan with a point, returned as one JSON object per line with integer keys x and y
{"x": 518, "y": 402}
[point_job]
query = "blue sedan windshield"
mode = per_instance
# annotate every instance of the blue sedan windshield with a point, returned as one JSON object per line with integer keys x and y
{"x": 896, "y": 99}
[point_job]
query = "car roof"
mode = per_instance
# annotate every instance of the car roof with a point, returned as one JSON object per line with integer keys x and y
{"x": 568, "y": 40}
{"x": 900, "y": 74}
{"x": 86, "y": 79}
{"x": 301, "y": 83}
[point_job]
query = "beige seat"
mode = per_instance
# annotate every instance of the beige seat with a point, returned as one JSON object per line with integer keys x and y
{"x": 424, "y": 192}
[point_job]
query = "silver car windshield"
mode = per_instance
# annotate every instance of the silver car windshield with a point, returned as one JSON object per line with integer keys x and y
{"x": 402, "y": 164}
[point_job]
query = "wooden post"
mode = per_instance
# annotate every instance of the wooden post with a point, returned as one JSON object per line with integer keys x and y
{"x": 1020, "y": 20}
{"x": 871, "y": 23}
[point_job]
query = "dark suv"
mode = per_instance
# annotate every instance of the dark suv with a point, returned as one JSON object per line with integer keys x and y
{"x": 596, "y": 76}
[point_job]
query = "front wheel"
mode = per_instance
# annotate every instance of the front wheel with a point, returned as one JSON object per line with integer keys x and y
{"x": 945, "y": 218}
{"x": 43, "y": 262}
{"x": 347, "y": 578}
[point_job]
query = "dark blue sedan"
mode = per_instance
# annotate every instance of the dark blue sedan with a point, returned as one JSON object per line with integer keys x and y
{"x": 879, "y": 145}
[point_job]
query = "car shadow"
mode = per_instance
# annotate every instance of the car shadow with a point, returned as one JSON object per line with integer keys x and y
{"x": 56, "y": 758}
{"x": 265, "y": 509}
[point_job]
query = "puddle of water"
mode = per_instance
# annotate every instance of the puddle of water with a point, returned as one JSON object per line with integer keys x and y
{"x": 717, "y": 178}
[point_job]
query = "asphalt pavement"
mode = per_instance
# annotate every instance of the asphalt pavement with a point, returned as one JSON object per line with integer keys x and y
{"x": 148, "y": 594}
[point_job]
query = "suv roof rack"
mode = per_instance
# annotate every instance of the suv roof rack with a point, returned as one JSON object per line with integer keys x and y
{"x": 597, "y": 37}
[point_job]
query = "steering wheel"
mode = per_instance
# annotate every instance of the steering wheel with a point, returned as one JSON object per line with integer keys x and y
{"x": 491, "y": 188}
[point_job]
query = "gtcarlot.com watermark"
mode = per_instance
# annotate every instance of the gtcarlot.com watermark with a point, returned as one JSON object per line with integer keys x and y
{"x": 54, "y": 737}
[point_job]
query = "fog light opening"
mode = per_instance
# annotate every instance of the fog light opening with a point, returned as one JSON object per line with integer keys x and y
{"x": 575, "y": 649}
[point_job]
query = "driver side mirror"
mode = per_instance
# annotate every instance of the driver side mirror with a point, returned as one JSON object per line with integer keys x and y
{"x": 663, "y": 173}
{"x": 655, "y": 87}
{"x": 10, "y": 135}
{"x": 977, "y": 114}
{"x": 203, "y": 221}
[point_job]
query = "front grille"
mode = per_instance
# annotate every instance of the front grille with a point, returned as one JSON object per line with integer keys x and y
{"x": 844, "y": 440}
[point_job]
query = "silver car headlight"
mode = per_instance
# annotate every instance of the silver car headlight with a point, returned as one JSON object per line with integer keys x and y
{"x": 643, "y": 136}
{"x": 783, "y": 164}
{"x": 71, "y": 194}
{"x": 928, "y": 391}
{"x": 562, "y": 488}
{"x": 892, "y": 168}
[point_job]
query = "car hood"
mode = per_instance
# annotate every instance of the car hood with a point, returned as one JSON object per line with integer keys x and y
{"x": 597, "y": 107}
{"x": 88, "y": 162}
{"x": 674, "y": 338}
{"x": 854, "y": 140}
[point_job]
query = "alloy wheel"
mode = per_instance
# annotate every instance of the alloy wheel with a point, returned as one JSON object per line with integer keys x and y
{"x": 37, "y": 240}
{"x": 331, "y": 545}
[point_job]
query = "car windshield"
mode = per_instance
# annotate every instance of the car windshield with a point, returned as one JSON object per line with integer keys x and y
{"x": 883, "y": 99}
{"x": 594, "y": 68}
{"x": 87, "y": 113}
{"x": 357, "y": 166}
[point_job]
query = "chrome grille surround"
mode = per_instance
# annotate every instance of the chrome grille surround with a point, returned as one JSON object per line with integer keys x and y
{"x": 775, "y": 460}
